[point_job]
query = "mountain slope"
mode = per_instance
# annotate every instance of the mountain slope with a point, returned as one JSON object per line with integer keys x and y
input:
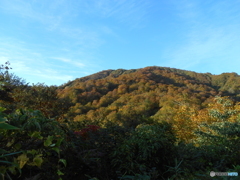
{"x": 127, "y": 97}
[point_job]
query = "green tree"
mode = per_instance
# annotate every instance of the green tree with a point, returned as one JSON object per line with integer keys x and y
{"x": 8, "y": 82}
{"x": 149, "y": 146}
{"x": 221, "y": 138}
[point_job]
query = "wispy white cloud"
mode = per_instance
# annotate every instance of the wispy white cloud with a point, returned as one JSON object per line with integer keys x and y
{"x": 210, "y": 42}
{"x": 68, "y": 42}
{"x": 69, "y": 61}
{"x": 200, "y": 48}
{"x": 83, "y": 37}
{"x": 51, "y": 76}
{"x": 33, "y": 66}
{"x": 130, "y": 12}
{"x": 45, "y": 12}
{"x": 56, "y": 15}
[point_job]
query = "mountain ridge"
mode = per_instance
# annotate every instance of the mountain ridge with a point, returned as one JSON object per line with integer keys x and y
{"x": 217, "y": 81}
{"x": 150, "y": 92}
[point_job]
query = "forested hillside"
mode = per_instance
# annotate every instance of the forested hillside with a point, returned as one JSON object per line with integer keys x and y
{"x": 150, "y": 123}
{"x": 126, "y": 97}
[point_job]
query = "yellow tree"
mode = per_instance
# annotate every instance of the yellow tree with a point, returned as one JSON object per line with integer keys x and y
{"x": 183, "y": 122}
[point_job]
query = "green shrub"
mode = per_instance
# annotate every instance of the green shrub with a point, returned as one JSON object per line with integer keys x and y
{"x": 40, "y": 141}
{"x": 6, "y": 160}
{"x": 150, "y": 146}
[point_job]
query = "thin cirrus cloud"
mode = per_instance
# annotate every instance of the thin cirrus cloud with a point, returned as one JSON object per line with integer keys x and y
{"x": 204, "y": 46}
{"x": 82, "y": 38}
{"x": 29, "y": 65}
{"x": 211, "y": 41}
{"x": 30, "y": 72}
{"x": 52, "y": 17}
{"x": 31, "y": 59}
{"x": 36, "y": 10}
{"x": 129, "y": 12}
{"x": 54, "y": 14}
{"x": 69, "y": 61}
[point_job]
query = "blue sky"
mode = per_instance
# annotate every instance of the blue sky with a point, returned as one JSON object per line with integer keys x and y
{"x": 55, "y": 41}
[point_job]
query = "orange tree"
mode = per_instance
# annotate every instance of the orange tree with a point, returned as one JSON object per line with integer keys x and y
{"x": 43, "y": 98}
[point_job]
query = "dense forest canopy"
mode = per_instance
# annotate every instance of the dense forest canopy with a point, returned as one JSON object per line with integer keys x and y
{"x": 141, "y": 93}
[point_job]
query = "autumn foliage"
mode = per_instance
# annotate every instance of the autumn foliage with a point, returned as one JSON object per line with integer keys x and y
{"x": 84, "y": 133}
{"x": 150, "y": 123}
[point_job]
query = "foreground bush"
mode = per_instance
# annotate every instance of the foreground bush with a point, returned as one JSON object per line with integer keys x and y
{"x": 149, "y": 150}
{"x": 39, "y": 141}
